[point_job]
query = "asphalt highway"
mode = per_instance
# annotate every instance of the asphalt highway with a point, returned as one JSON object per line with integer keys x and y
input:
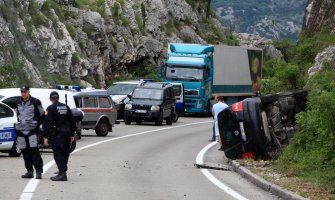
{"x": 135, "y": 162}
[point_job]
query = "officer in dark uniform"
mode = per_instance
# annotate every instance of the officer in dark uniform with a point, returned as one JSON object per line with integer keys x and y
{"x": 29, "y": 118}
{"x": 59, "y": 127}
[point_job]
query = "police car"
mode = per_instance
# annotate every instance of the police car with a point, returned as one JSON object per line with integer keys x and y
{"x": 8, "y": 142}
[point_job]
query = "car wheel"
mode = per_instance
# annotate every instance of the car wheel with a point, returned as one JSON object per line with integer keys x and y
{"x": 175, "y": 117}
{"x": 159, "y": 120}
{"x": 138, "y": 122}
{"x": 78, "y": 130}
{"x": 15, "y": 151}
{"x": 127, "y": 120}
{"x": 102, "y": 128}
{"x": 169, "y": 119}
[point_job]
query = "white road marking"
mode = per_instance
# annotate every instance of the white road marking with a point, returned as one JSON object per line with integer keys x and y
{"x": 31, "y": 186}
{"x": 209, "y": 176}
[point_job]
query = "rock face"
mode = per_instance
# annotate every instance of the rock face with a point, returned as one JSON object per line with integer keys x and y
{"x": 58, "y": 41}
{"x": 317, "y": 14}
{"x": 320, "y": 14}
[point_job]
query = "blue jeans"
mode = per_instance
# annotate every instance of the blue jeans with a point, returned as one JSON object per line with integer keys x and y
{"x": 213, "y": 136}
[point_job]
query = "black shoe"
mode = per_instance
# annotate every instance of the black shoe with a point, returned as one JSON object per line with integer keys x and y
{"x": 38, "y": 175}
{"x": 28, "y": 174}
{"x": 60, "y": 177}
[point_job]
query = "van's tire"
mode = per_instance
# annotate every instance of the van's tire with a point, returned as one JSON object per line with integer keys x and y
{"x": 102, "y": 128}
{"x": 138, "y": 122}
{"x": 127, "y": 120}
{"x": 169, "y": 119}
{"x": 175, "y": 117}
{"x": 78, "y": 130}
{"x": 15, "y": 151}
{"x": 159, "y": 120}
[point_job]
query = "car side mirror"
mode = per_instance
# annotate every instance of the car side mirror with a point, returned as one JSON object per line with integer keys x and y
{"x": 129, "y": 96}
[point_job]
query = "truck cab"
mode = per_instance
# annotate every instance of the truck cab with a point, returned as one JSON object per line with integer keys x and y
{"x": 191, "y": 65}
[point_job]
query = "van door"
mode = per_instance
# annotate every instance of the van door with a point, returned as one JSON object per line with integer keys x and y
{"x": 179, "y": 94}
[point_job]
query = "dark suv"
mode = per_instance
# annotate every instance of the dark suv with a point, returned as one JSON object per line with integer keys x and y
{"x": 151, "y": 101}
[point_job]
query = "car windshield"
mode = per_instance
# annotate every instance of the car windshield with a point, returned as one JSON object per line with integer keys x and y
{"x": 121, "y": 89}
{"x": 148, "y": 93}
{"x": 184, "y": 73}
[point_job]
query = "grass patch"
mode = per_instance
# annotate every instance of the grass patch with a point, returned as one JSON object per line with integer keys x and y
{"x": 169, "y": 27}
{"x": 75, "y": 59}
{"x": 71, "y": 30}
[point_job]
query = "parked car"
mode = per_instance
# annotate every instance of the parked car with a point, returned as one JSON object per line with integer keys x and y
{"x": 99, "y": 110}
{"x": 8, "y": 138}
{"x": 262, "y": 126}
{"x": 151, "y": 101}
{"x": 119, "y": 92}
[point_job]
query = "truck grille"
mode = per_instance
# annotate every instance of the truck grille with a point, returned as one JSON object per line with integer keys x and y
{"x": 191, "y": 92}
{"x": 190, "y": 101}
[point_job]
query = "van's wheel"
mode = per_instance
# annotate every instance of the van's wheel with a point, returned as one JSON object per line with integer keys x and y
{"x": 159, "y": 120}
{"x": 138, "y": 122}
{"x": 169, "y": 119}
{"x": 15, "y": 151}
{"x": 78, "y": 130}
{"x": 127, "y": 120}
{"x": 175, "y": 117}
{"x": 102, "y": 128}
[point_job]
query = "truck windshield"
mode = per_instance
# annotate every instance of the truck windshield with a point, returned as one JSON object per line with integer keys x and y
{"x": 121, "y": 89}
{"x": 148, "y": 93}
{"x": 184, "y": 73}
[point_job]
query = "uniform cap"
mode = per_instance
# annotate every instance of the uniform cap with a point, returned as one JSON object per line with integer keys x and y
{"x": 25, "y": 88}
{"x": 54, "y": 95}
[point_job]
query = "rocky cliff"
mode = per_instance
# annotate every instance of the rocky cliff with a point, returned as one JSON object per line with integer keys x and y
{"x": 45, "y": 42}
{"x": 318, "y": 14}
{"x": 320, "y": 17}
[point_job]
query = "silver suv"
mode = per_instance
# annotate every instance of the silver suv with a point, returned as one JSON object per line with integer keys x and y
{"x": 99, "y": 110}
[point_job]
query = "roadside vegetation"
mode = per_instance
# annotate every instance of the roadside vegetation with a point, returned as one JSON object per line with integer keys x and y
{"x": 310, "y": 155}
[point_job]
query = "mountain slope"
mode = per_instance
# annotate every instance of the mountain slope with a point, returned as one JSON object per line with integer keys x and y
{"x": 268, "y": 18}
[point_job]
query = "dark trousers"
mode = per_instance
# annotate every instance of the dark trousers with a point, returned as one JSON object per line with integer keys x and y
{"x": 61, "y": 149}
{"x": 32, "y": 157}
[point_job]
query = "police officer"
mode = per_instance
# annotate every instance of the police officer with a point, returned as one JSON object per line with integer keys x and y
{"x": 59, "y": 127}
{"x": 29, "y": 117}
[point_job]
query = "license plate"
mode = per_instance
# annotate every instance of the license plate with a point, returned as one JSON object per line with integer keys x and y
{"x": 5, "y": 136}
{"x": 140, "y": 111}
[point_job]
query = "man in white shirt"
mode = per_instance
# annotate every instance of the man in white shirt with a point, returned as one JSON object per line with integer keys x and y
{"x": 217, "y": 108}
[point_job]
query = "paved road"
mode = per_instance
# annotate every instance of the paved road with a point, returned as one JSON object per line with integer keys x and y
{"x": 133, "y": 162}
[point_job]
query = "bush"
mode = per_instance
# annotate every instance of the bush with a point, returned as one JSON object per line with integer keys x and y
{"x": 311, "y": 153}
{"x": 75, "y": 59}
{"x": 71, "y": 30}
{"x": 169, "y": 27}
